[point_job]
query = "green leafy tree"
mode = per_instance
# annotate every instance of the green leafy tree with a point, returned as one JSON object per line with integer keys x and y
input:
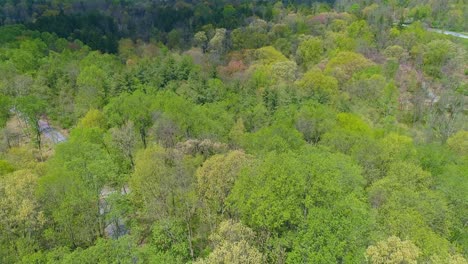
{"x": 458, "y": 143}
{"x": 201, "y": 40}
{"x": 124, "y": 140}
{"x": 135, "y": 107}
{"x": 405, "y": 196}
{"x": 5, "y": 107}
{"x": 72, "y": 187}
{"x": 284, "y": 192}
{"x": 268, "y": 55}
{"x": 314, "y": 84}
{"x": 350, "y": 131}
{"x": 313, "y": 120}
{"x": 278, "y": 137}
{"x": 104, "y": 251}
{"x": 27, "y": 57}
{"x": 94, "y": 118}
{"x": 342, "y": 238}
{"x": 163, "y": 188}
{"x": 22, "y": 218}
{"x": 284, "y": 70}
{"x": 310, "y": 51}
{"x": 168, "y": 243}
{"x": 280, "y": 203}
{"x": 216, "y": 178}
{"x": 233, "y": 243}
{"x": 229, "y": 16}
{"x": 30, "y": 109}
{"x": 237, "y": 132}
{"x": 450, "y": 182}
{"x": 6, "y": 167}
{"x": 217, "y": 44}
{"x": 93, "y": 88}
{"x": 438, "y": 54}
{"x": 393, "y": 250}
{"x": 345, "y": 64}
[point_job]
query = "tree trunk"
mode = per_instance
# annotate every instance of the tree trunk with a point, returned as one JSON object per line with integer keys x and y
{"x": 143, "y": 136}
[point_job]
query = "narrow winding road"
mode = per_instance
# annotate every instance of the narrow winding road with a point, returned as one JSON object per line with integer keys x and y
{"x": 51, "y": 133}
{"x": 446, "y": 32}
{"x": 442, "y": 31}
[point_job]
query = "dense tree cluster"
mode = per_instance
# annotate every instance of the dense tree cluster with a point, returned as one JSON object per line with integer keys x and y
{"x": 243, "y": 132}
{"x": 101, "y": 23}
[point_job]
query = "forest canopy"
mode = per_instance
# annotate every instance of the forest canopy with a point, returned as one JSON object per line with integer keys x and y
{"x": 233, "y": 132}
